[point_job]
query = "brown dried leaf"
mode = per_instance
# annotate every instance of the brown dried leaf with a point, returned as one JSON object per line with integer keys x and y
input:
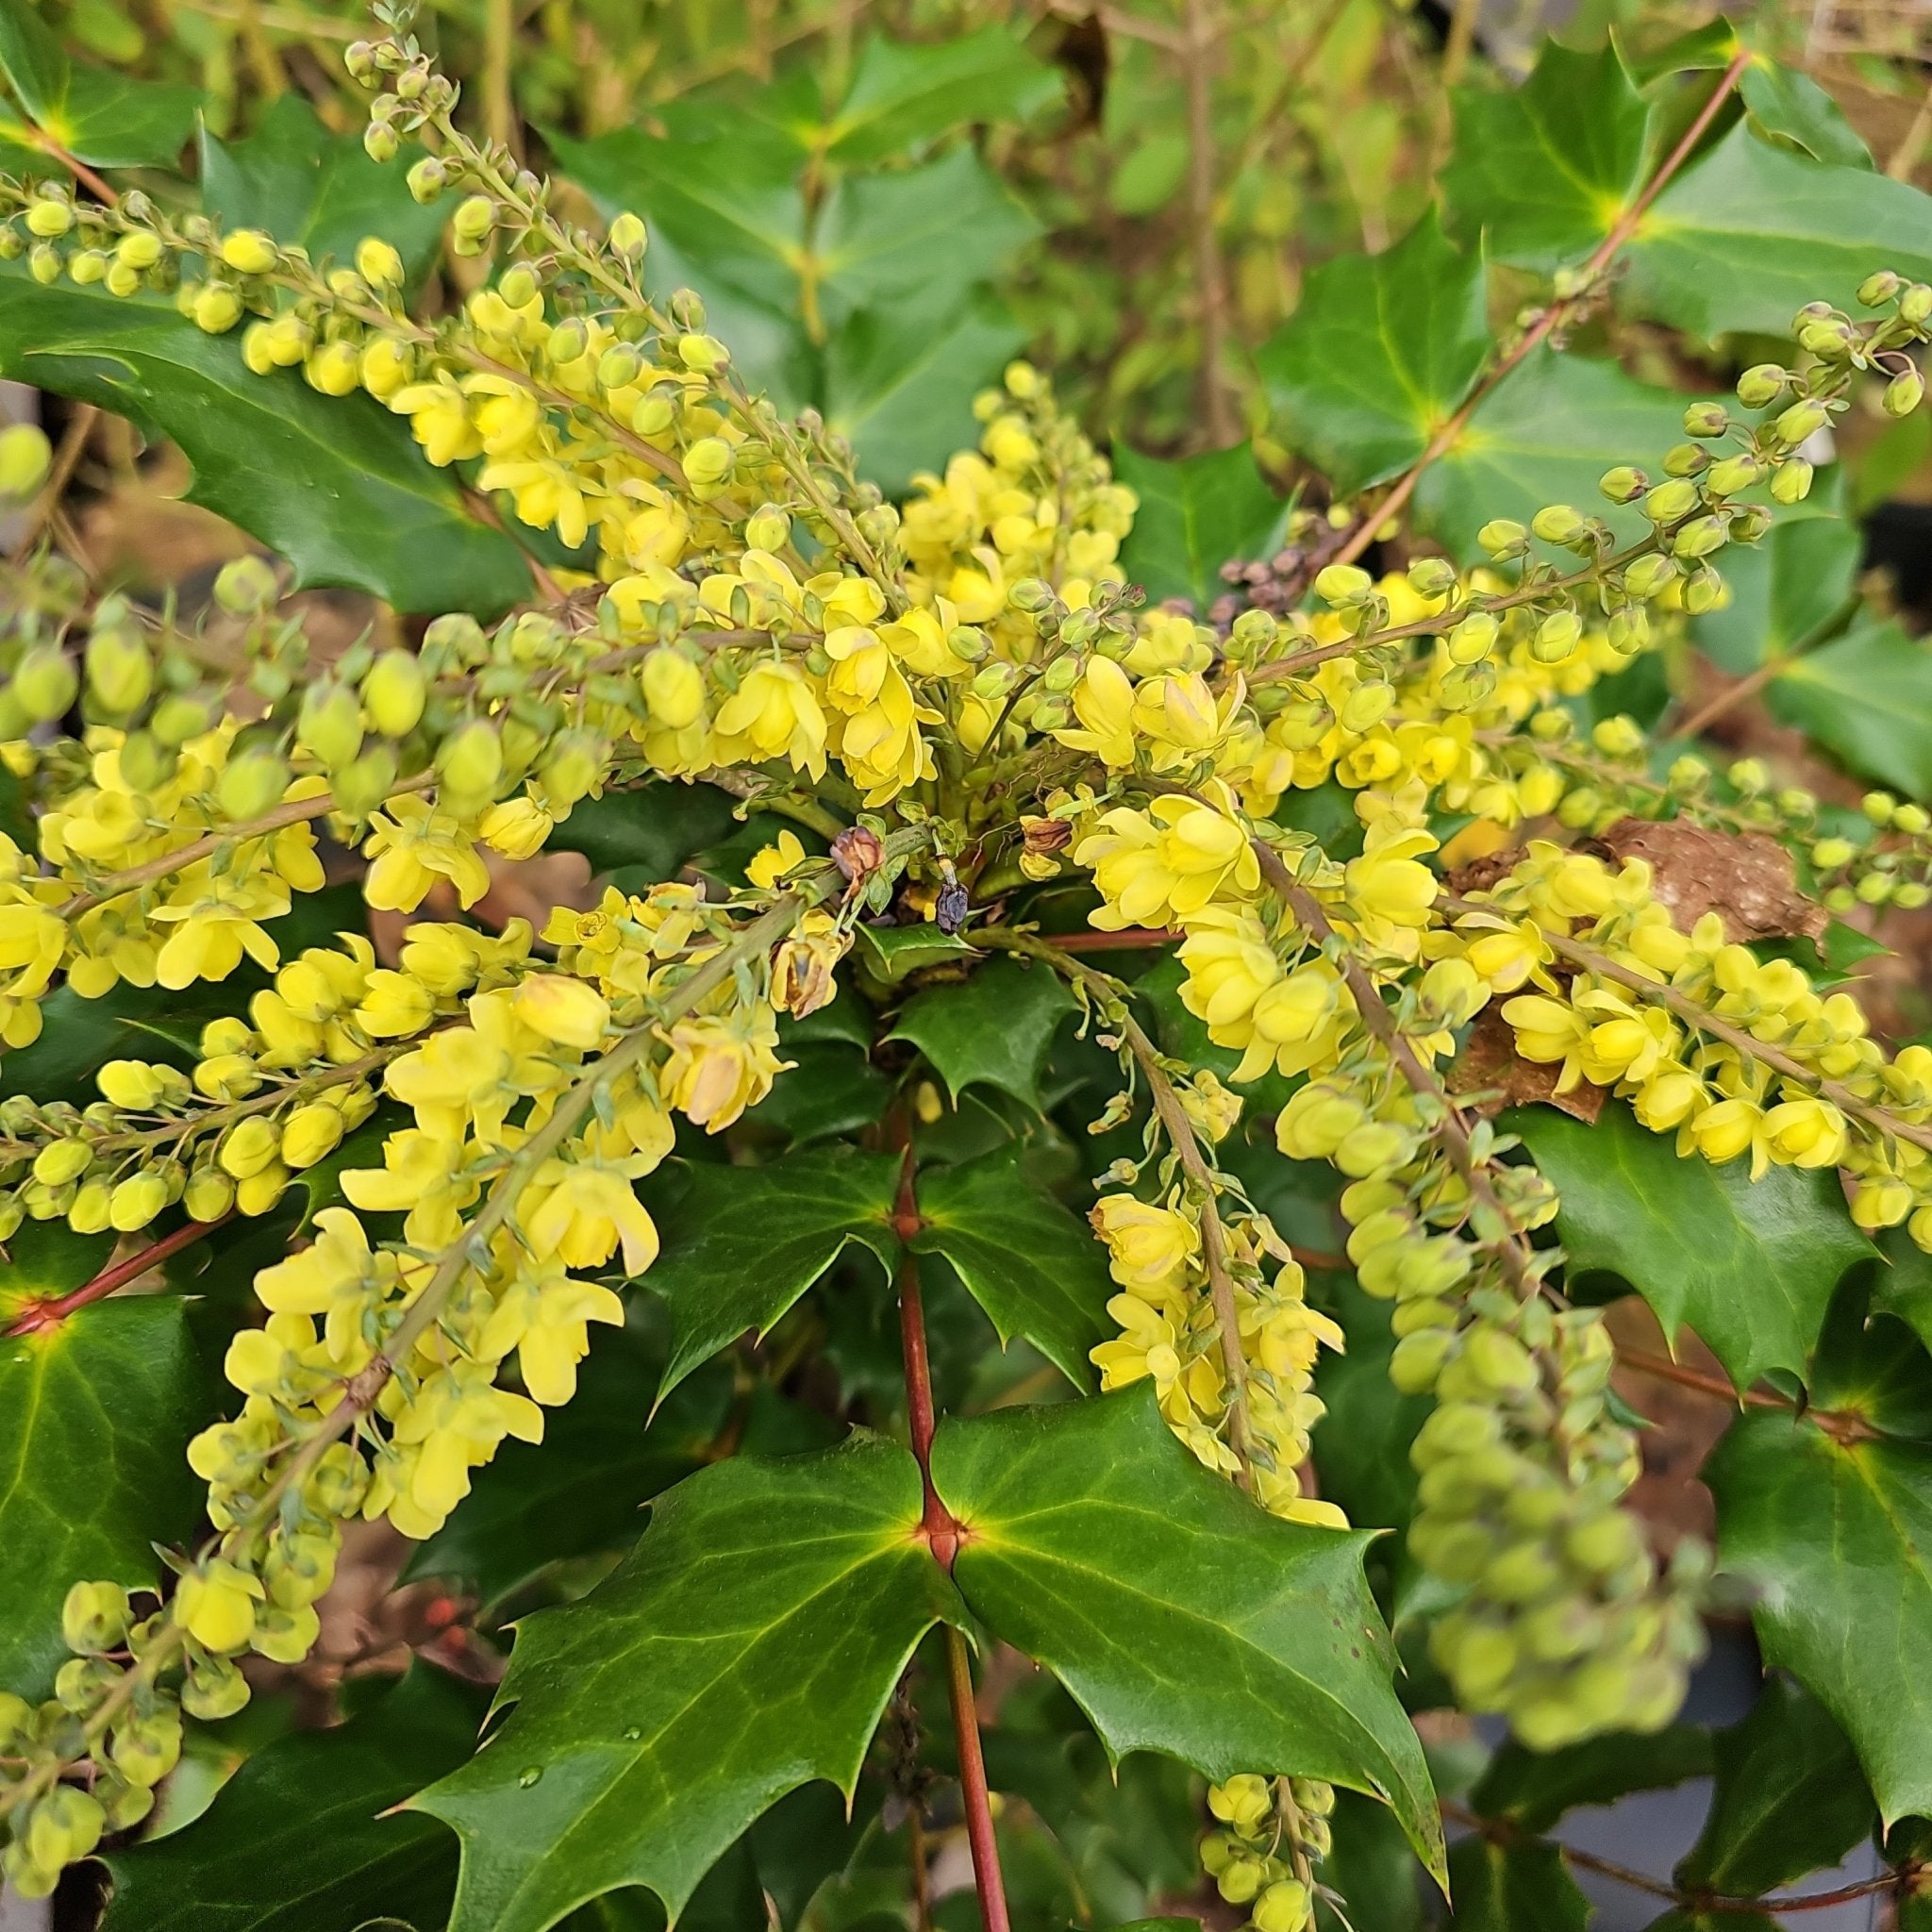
{"x": 1746, "y": 876}
{"x": 1490, "y": 1065}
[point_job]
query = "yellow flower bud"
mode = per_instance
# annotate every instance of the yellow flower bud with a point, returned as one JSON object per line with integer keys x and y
{"x": 562, "y": 1010}
{"x": 249, "y": 252}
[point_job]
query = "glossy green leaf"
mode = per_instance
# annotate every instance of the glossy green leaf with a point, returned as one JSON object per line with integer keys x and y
{"x": 903, "y": 95}
{"x": 334, "y": 484}
{"x": 831, "y": 1087}
{"x": 1902, "y": 1282}
{"x": 746, "y": 1647}
{"x": 899, "y": 384}
{"x": 1522, "y": 1886}
{"x": 295, "y": 1841}
{"x": 1787, "y": 105}
{"x": 1196, "y": 513}
{"x": 657, "y": 827}
{"x": 1787, "y": 1799}
{"x": 538, "y": 1502}
{"x": 1835, "y": 1540}
{"x": 318, "y": 190}
{"x": 1543, "y": 172}
{"x": 1377, "y": 356}
{"x": 993, "y": 1030}
{"x": 1545, "y": 434}
{"x": 1868, "y": 698}
{"x": 894, "y": 951}
{"x": 107, "y": 119}
{"x": 1027, "y": 1258}
{"x": 1784, "y": 591}
{"x": 1182, "y": 1618}
{"x": 95, "y": 1414}
{"x": 741, "y": 1245}
{"x": 1757, "y": 1280}
{"x": 1744, "y": 237}
{"x": 1533, "y": 1789}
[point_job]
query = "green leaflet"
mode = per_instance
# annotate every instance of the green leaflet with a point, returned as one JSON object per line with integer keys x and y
{"x": 1833, "y": 1538}
{"x": 1519, "y": 1886}
{"x": 1750, "y": 233}
{"x": 94, "y": 1420}
{"x": 1378, "y": 355}
{"x": 1545, "y": 434}
{"x": 1787, "y": 1799}
{"x": 1196, "y": 513}
{"x": 742, "y": 1243}
{"x": 97, "y": 116}
{"x": 995, "y": 1030}
{"x": 904, "y": 95}
{"x": 537, "y": 1502}
{"x": 1756, "y": 1281}
{"x": 295, "y": 1841}
{"x": 309, "y": 188}
{"x": 1790, "y": 108}
{"x": 1543, "y": 172}
{"x": 1182, "y": 1618}
{"x": 747, "y": 1647}
{"x": 1534, "y": 1788}
{"x": 334, "y": 484}
{"x": 1029, "y": 1260}
{"x": 1868, "y": 698}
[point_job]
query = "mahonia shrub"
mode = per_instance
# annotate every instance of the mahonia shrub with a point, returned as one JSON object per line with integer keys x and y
{"x": 981, "y": 948}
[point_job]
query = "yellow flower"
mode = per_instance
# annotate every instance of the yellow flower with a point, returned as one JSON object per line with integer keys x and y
{"x": 583, "y": 1211}
{"x": 545, "y": 1319}
{"x": 719, "y": 1065}
{"x": 412, "y": 846}
{"x": 773, "y": 714}
{"x": 562, "y": 1010}
{"x": 772, "y": 862}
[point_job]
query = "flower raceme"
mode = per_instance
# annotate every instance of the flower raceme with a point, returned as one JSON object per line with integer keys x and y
{"x": 973, "y": 670}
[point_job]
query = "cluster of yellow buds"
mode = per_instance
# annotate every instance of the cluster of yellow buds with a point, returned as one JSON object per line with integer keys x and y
{"x": 1274, "y": 1832}
{"x": 1170, "y": 1330}
{"x": 1741, "y": 1058}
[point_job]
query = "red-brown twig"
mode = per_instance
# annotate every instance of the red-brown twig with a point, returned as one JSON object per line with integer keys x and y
{"x": 942, "y": 1536}
{"x": 1540, "y": 329}
{"x": 33, "y": 1316}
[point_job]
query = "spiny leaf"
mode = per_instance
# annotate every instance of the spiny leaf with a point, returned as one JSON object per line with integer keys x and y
{"x": 1534, "y": 1788}
{"x": 1757, "y": 1280}
{"x": 746, "y": 1647}
{"x": 95, "y": 1414}
{"x": 1378, "y": 355}
{"x": 902, "y": 95}
{"x": 1542, "y": 173}
{"x": 1031, "y": 1263}
{"x": 1522, "y": 1886}
{"x": 1196, "y": 513}
{"x": 1788, "y": 107}
{"x": 1789, "y": 1798}
{"x": 100, "y": 117}
{"x": 334, "y": 484}
{"x": 296, "y": 1841}
{"x": 899, "y": 384}
{"x": 741, "y": 1245}
{"x": 310, "y": 188}
{"x": 1867, "y": 697}
{"x": 1545, "y": 434}
{"x": 1835, "y": 1539}
{"x": 1744, "y": 237}
{"x": 996, "y": 1029}
{"x": 1180, "y": 1616}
